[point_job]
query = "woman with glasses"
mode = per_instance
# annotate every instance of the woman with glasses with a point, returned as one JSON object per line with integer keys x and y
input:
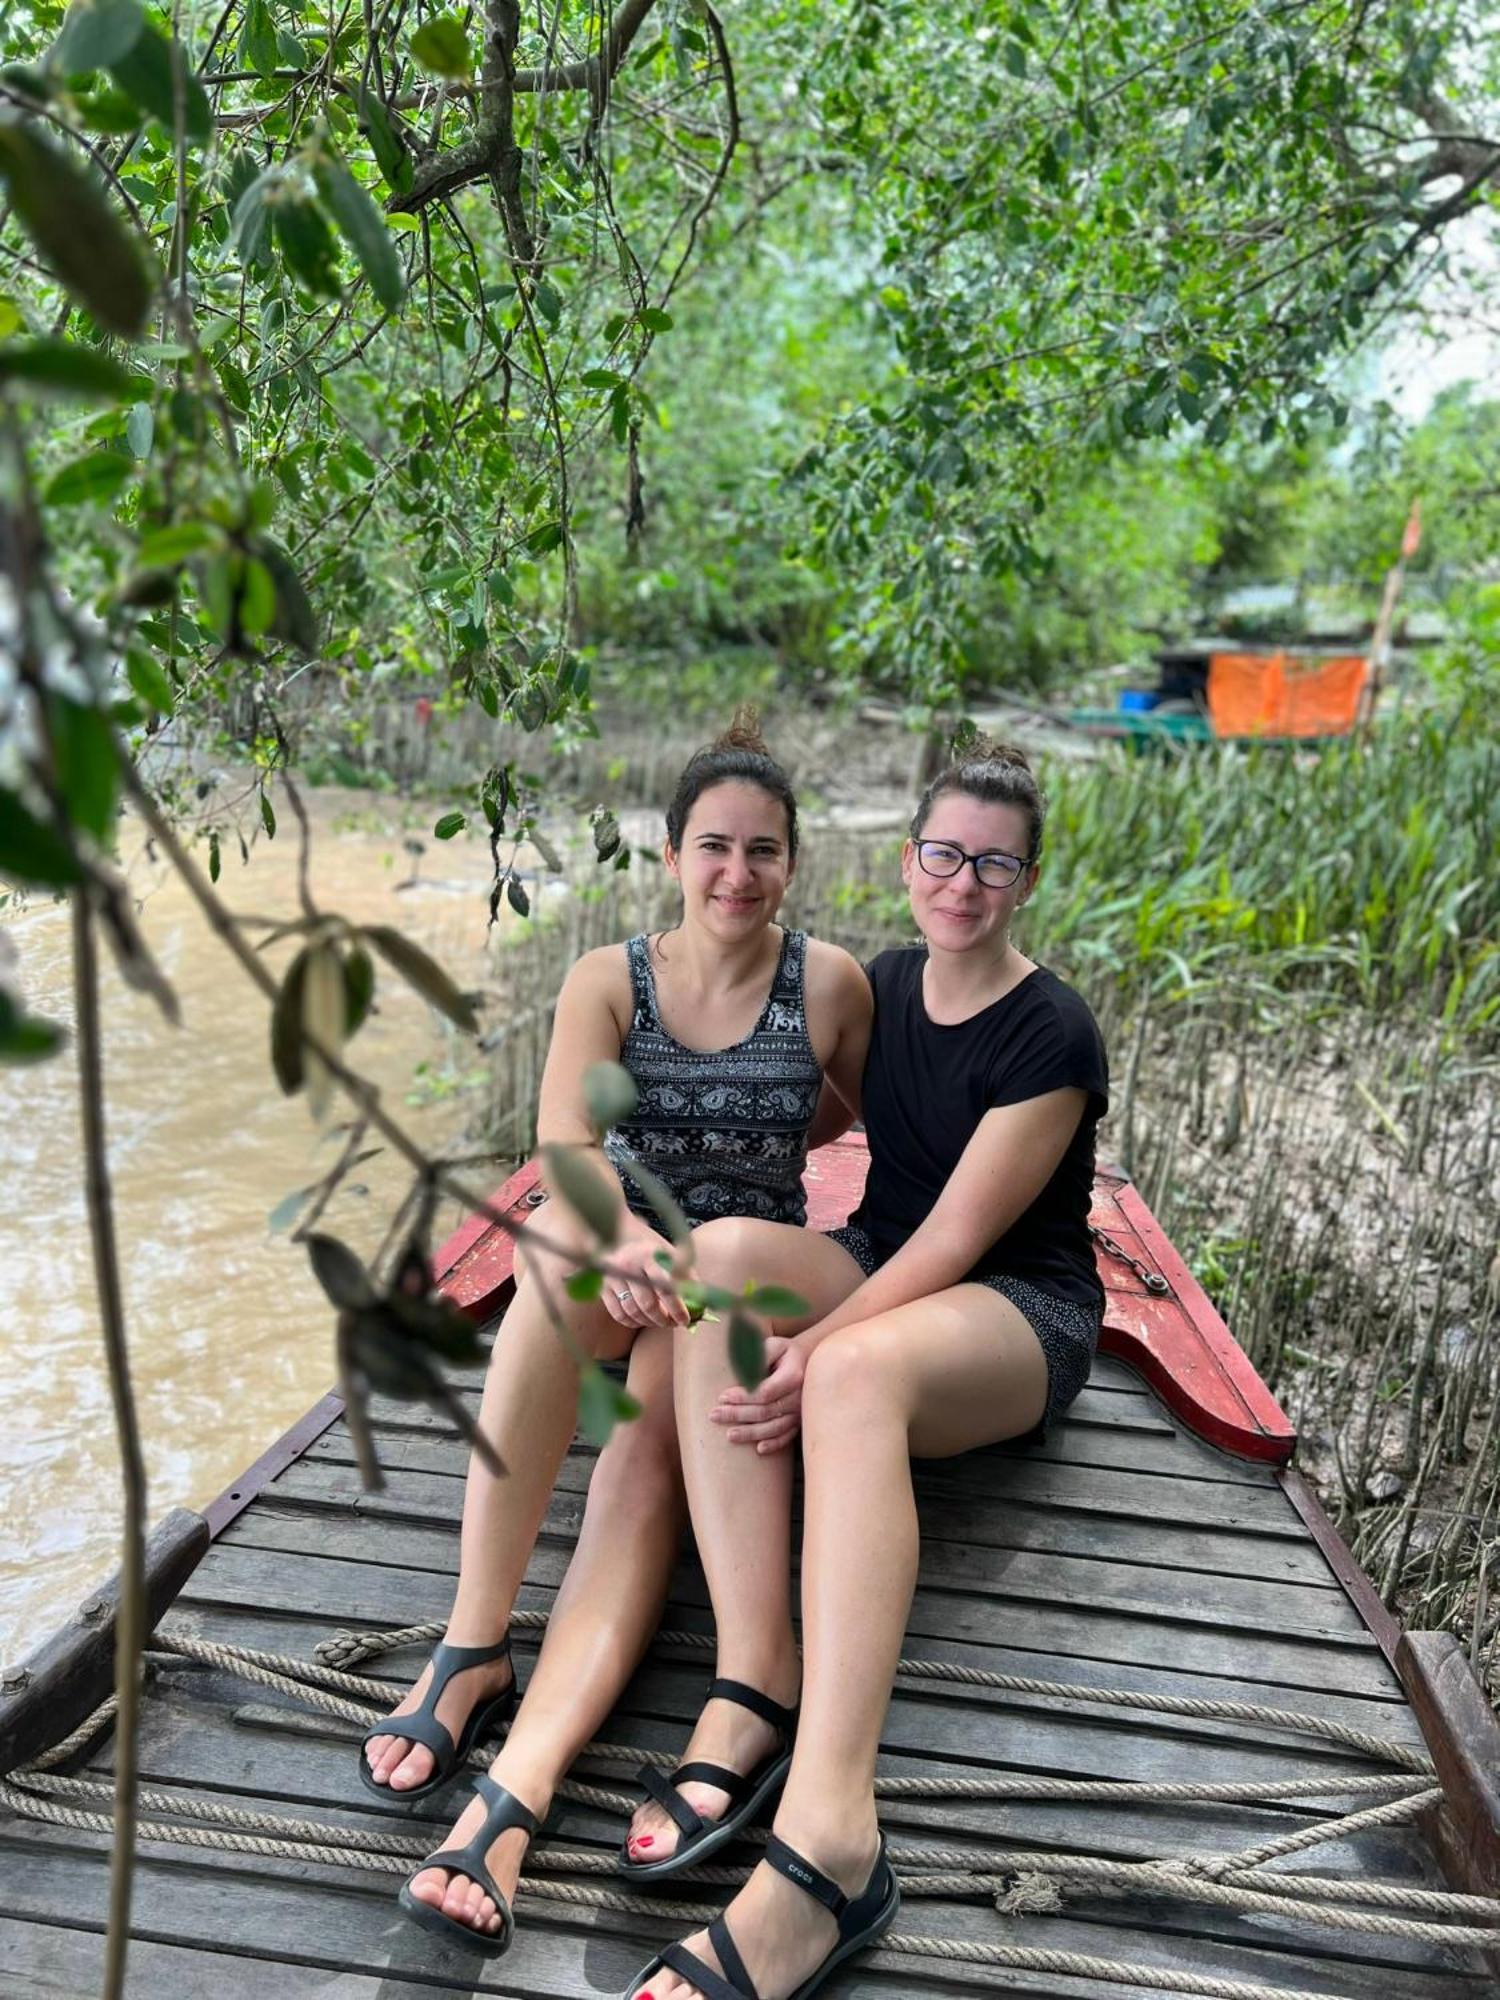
{"x": 970, "y": 1313}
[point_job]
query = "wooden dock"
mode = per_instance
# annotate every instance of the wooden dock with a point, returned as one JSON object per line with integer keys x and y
{"x": 1125, "y": 1553}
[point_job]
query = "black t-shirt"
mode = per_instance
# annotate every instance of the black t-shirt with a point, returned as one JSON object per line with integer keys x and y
{"x": 926, "y": 1088}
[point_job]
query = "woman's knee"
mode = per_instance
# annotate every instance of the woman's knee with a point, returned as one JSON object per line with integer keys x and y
{"x": 641, "y": 1467}
{"x": 724, "y": 1250}
{"x": 859, "y": 1367}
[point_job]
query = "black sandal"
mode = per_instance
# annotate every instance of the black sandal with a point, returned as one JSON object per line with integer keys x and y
{"x": 505, "y": 1811}
{"x": 861, "y": 1919}
{"x": 422, "y": 1725}
{"x": 748, "y": 1790}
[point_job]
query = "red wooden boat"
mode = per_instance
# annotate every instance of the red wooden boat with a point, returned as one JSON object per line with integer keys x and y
{"x": 1154, "y": 1597}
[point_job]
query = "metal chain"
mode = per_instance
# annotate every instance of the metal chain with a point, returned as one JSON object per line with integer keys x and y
{"x": 1152, "y": 1280}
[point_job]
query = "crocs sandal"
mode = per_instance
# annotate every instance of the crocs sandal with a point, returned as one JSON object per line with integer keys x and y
{"x": 422, "y": 1725}
{"x": 861, "y": 1920}
{"x": 505, "y": 1811}
{"x": 748, "y": 1790}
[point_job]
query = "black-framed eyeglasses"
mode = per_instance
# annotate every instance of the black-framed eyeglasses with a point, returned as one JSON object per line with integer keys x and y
{"x": 993, "y": 871}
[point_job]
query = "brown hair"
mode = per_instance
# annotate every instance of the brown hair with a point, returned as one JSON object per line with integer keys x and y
{"x": 997, "y": 774}
{"x": 739, "y": 752}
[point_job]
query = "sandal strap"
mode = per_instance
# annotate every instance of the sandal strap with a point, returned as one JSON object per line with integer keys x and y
{"x": 422, "y": 1725}
{"x": 812, "y": 1881}
{"x": 757, "y": 1703}
{"x": 672, "y": 1803}
{"x": 736, "y": 1783}
{"x": 729, "y": 1957}
{"x": 503, "y": 1811}
{"x": 712, "y": 1985}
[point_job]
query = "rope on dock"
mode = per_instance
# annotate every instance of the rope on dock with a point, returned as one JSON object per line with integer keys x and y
{"x": 347, "y": 1649}
{"x": 1014, "y": 1882}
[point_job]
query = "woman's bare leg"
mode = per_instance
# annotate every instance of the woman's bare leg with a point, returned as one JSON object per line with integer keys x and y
{"x": 606, "y": 1611}
{"x": 942, "y": 1376}
{"x": 528, "y": 1413}
{"x": 741, "y": 1505}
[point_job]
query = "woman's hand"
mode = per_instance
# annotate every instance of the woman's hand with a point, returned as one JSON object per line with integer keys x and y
{"x": 770, "y": 1416}
{"x": 638, "y": 1291}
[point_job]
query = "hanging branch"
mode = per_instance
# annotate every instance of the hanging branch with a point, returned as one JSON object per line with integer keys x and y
{"x": 491, "y": 153}
{"x": 130, "y": 1622}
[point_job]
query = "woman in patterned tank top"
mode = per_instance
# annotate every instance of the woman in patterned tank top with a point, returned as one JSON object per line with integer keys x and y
{"x": 729, "y": 1025}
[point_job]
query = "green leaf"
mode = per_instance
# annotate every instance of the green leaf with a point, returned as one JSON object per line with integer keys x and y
{"x": 140, "y": 429}
{"x": 747, "y": 1351}
{"x": 586, "y": 1285}
{"x": 450, "y": 824}
{"x": 659, "y": 1195}
{"x": 655, "y": 320}
{"x": 163, "y": 548}
{"x": 424, "y": 975}
{"x": 95, "y": 33}
{"x": 215, "y": 862}
{"x": 245, "y": 188}
{"x": 360, "y": 223}
{"x": 258, "y": 44}
{"x": 148, "y": 681}
{"x": 306, "y": 245}
{"x": 340, "y": 1273}
{"x": 610, "y": 1094}
{"x": 359, "y": 988}
{"x": 442, "y": 48}
{"x": 324, "y": 1014}
{"x": 286, "y": 1211}
{"x": 391, "y": 156}
{"x": 286, "y": 1027}
{"x": 548, "y": 302}
{"x": 257, "y": 598}
{"x": 516, "y": 896}
{"x": 295, "y": 621}
{"x": 268, "y": 816}
{"x": 23, "y": 1038}
{"x": 148, "y": 73}
{"x": 777, "y": 1302}
{"x": 84, "y": 756}
{"x": 79, "y": 233}
{"x": 603, "y": 1403}
{"x": 99, "y": 475}
{"x": 68, "y": 368}
{"x": 31, "y": 851}
{"x": 584, "y": 1190}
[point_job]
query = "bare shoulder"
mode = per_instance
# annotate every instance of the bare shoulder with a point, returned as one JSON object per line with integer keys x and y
{"x": 601, "y": 978}
{"x": 836, "y": 981}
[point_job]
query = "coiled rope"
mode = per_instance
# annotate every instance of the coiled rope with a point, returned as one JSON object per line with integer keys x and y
{"x": 1014, "y": 1882}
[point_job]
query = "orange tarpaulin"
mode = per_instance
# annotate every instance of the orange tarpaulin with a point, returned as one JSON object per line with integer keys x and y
{"x": 1278, "y": 694}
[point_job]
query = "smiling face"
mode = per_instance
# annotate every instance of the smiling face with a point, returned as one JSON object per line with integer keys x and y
{"x": 734, "y": 863}
{"x": 958, "y": 913}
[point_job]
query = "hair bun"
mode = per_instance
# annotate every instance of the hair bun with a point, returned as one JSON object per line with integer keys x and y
{"x": 971, "y": 746}
{"x": 743, "y": 732}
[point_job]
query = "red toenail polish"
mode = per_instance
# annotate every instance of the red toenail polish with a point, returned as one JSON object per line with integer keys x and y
{"x": 645, "y": 1840}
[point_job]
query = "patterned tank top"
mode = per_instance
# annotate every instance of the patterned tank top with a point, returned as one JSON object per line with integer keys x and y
{"x": 726, "y": 1129}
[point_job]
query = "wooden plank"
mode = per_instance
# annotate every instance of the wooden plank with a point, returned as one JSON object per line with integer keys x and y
{"x": 1390, "y": 1717}
{"x": 1260, "y": 1508}
{"x": 349, "y": 1922}
{"x": 66, "y": 1678}
{"x": 366, "y": 1594}
{"x": 1464, "y": 1737}
{"x": 311, "y": 1769}
{"x": 54, "y": 1962}
{"x": 1003, "y": 1523}
{"x": 1222, "y": 1602}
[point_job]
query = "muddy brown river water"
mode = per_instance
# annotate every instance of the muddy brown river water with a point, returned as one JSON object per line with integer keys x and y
{"x": 231, "y": 1338}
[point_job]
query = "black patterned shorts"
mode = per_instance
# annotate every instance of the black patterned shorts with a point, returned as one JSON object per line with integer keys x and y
{"x": 1067, "y": 1330}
